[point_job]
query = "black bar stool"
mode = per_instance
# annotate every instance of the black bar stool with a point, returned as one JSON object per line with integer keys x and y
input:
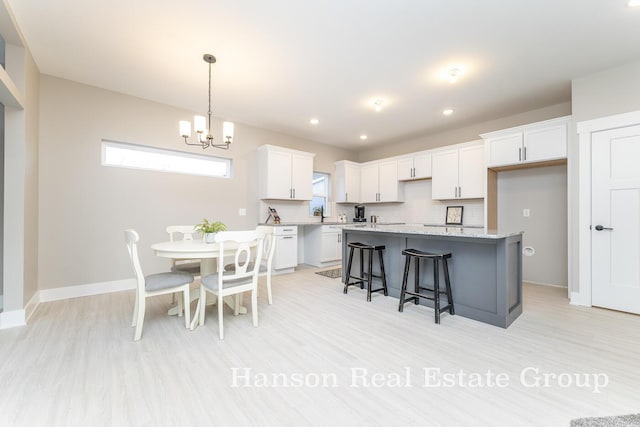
{"x": 434, "y": 293}
{"x": 365, "y": 276}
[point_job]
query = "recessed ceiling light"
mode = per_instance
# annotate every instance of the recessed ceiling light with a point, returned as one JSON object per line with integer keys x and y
{"x": 377, "y": 104}
{"x": 447, "y": 112}
{"x": 634, "y": 3}
{"x": 314, "y": 121}
{"x": 363, "y": 137}
{"x": 453, "y": 74}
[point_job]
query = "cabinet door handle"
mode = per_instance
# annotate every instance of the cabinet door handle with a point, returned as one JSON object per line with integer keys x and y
{"x": 455, "y": 190}
{"x": 288, "y": 237}
{"x": 520, "y": 154}
{"x": 459, "y": 191}
{"x": 525, "y": 153}
{"x": 291, "y": 193}
{"x": 294, "y": 193}
{"x": 346, "y": 197}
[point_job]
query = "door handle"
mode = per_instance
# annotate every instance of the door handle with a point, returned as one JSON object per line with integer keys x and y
{"x": 520, "y": 154}
{"x": 525, "y": 153}
{"x": 600, "y": 228}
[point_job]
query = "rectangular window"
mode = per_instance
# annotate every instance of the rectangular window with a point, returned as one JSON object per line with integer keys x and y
{"x": 321, "y": 192}
{"x": 120, "y": 154}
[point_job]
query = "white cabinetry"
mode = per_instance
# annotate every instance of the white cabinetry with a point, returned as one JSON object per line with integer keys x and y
{"x": 347, "y": 181}
{"x": 537, "y": 142}
{"x": 286, "y": 252}
{"x": 459, "y": 173}
{"x": 284, "y": 173}
{"x": 379, "y": 182}
{"x": 322, "y": 245}
{"x": 415, "y": 166}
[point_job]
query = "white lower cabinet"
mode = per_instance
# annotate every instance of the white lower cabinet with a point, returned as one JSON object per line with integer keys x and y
{"x": 286, "y": 254}
{"x": 322, "y": 245}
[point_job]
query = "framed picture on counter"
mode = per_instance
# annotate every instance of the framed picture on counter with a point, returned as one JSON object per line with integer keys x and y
{"x": 454, "y": 215}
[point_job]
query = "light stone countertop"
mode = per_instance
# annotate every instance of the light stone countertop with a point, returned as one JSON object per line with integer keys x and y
{"x": 431, "y": 231}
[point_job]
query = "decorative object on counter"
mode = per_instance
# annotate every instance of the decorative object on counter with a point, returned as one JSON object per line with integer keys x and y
{"x": 333, "y": 273}
{"x": 273, "y": 214}
{"x": 342, "y": 218}
{"x": 209, "y": 229}
{"x": 359, "y": 212}
{"x": 205, "y": 135}
{"x": 454, "y": 215}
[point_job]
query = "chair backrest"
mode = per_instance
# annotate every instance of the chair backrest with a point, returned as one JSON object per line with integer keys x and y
{"x": 269, "y": 246}
{"x": 247, "y": 255}
{"x": 187, "y": 231}
{"x": 131, "y": 237}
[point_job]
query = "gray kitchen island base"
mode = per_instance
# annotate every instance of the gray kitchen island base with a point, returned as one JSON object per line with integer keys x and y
{"x": 485, "y": 269}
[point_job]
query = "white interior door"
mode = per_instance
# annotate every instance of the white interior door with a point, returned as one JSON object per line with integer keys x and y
{"x": 615, "y": 219}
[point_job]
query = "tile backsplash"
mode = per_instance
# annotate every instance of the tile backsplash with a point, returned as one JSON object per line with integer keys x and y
{"x": 418, "y": 207}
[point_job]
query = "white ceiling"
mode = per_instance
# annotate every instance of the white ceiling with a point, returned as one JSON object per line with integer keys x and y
{"x": 282, "y": 62}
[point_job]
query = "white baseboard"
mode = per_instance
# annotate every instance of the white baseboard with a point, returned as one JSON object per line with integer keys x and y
{"x": 544, "y": 284}
{"x": 67, "y": 292}
{"x": 579, "y": 299}
{"x": 11, "y": 319}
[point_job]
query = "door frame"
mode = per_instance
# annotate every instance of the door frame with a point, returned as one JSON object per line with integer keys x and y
{"x": 582, "y": 296}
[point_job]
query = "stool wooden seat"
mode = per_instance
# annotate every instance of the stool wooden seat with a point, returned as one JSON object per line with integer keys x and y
{"x": 432, "y": 293}
{"x": 365, "y": 276}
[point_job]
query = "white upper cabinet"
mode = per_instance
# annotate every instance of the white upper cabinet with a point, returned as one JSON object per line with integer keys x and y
{"x": 347, "y": 180}
{"x": 459, "y": 173}
{"x": 415, "y": 166}
{"x": 379, "y": 182}
{"x": 537, "y": 142}
{"x": 285, "y": 174}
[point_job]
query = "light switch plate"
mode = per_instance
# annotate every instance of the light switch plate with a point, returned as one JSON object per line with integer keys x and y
{"x": 526, "y": 212}
{"x": 242, "y": 212}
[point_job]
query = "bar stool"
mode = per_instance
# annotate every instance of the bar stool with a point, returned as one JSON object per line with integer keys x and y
{"x": 365, "y": 276}
{"x": 433, "y": 293}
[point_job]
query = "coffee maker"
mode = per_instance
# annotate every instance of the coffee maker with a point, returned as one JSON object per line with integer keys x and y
{"x": 359, "y": 214}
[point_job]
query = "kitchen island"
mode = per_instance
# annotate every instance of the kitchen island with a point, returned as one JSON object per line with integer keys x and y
{"x": 485, "y": 268}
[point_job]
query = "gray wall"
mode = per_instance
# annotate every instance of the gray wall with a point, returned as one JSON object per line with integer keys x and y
{"x": 84, "y": 207}
{"x": 544, "y": 192}
{"x": 612, "y": 91}
{"x": 20, "y": 234}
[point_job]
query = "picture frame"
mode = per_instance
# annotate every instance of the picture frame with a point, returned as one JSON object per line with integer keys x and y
{"x": 454, "y": 215}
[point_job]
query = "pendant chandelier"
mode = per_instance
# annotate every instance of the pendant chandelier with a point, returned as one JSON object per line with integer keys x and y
{"x": 205, "y": 133}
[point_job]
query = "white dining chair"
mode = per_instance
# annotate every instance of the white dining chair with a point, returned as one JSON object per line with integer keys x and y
{"x": 244, "y": 277}
{"x": 155, "y": 284}
{"x": 268, "y": 249}
{"x": 183, "y": 232}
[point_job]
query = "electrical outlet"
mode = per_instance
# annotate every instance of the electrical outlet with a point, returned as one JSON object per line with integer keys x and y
{"x": 242, "y": 212}
{"x": 526, "y": 213}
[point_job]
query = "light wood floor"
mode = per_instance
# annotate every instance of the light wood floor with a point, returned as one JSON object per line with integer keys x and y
{"x": 76, "y": 364}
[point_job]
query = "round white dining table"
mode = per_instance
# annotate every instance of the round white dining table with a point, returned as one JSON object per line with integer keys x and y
{"x": 207, "y": 253}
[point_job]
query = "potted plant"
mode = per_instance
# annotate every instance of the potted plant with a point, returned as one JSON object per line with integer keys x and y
{"x": 209, "y": 229}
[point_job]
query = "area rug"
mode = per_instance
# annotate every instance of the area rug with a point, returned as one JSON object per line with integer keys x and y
{"x": 619, "y": 421}
{"x": 334, "y": 273}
